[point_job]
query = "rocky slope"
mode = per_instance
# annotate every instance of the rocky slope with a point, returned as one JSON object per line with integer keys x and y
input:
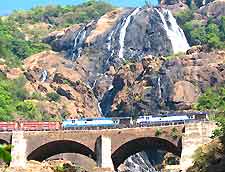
{"x": 50, "y": 72}
{"x": 210, "y": 158}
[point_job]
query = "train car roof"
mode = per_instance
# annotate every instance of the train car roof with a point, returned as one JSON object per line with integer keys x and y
{"x": 176, "y": 114}
{"x": 83, "y": 119}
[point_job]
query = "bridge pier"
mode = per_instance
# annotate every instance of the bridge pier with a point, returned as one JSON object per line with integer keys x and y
{"x": 18, "y": 151}
{"x": 196, "y": 135}
{"x": 103, "y": 153}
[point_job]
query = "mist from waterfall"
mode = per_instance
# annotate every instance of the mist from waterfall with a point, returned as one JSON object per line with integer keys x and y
{"x": 123, "y": 31}
{"x": 174, "y": 32}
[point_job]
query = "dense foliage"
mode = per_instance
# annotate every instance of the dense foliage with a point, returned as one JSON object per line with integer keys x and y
{"x": 13, "y": 45}
{"x": 22, "y": 31}
{"x": 15, "y": 103}
{"x": 5, "y": 153}
{"x": 197, "y": 32}
{"x": 214, "y": 100}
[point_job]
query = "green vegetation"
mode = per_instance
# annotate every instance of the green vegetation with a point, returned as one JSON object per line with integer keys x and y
{"x": 210, "y": 156}
{"x": 174, "y": 133}
{"x": 214, "y": 100}
{"x": 68, "y": 168}
{"x": 53, "y": 97}
{"x": 13, "y": 101}
{"x": 62, "y": 16}
{"x": 158, "y": 132}
{"x": 212, "y": 33}
{"x": 21, "y": 32}
{"x": 13, "y": 45}
{"x": 50, "y": 18}
{"x": 5, "y": 153}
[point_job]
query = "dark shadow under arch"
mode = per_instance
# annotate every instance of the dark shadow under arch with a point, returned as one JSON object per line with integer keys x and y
{"x": 60, "y": 146}
{"x": 140, "y": 144}
{"x": 3, "y": 142}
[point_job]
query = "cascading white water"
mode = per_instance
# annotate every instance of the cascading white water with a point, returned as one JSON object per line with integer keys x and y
{"x": 44, "y": 76}
{"x": 78, "y": 42}
{"x": 99, "y": 108}
{"x": 109, "y": 44}
{"x": 174, "y": 32}
{"x": 138, "y": 164}
{"x": 159, "y": 87}
{"x": 123, "y": 31}
{"x": 94, "y": 84}
{"x": 203, "y": 2}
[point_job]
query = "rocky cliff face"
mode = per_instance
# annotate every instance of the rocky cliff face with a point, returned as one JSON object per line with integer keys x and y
{"x": 102, "y": 47}
{"x": 49, "y": 72}
{"x": 156, "y": 84}
{"x": 118, "y": 36}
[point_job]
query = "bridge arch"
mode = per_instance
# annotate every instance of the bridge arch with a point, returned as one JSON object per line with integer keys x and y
{"x": 140, "y": 144}
{"x": 60, "y": 146}
{"x": 3, "y": 142}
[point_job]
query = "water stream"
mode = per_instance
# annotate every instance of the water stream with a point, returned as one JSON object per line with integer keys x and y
{"x": 123, "y": 31}
{"x": 174, "y": 32}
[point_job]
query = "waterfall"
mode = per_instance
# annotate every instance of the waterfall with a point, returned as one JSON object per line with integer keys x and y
{"x": 159, "y": 87}
{"x": 138, "y": 164}
{"x": 203, "y": 2}
{"x": 174, "y": 32}
{"x": 99, "y": 108}
{"x": 44, "y": 76}
{"x": 94, "y": 84}
{"x": 109, "y": 44}
{"x": 123, "y": 31}
{"x": 78, "y": 43}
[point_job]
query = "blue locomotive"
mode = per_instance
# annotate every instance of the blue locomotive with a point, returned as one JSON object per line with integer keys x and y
{"x": 89, "y": 122}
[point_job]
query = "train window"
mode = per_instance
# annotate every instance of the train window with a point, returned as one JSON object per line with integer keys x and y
{"x": 73, "y": 121}
{"x": 89, "y": 119}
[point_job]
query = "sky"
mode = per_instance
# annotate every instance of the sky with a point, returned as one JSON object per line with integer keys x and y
{"x": 7, "y": 6}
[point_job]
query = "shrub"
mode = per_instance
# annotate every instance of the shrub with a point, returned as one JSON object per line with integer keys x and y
{"x": 174, "y": 133}
{"x": 158, "y": 132}
{"x": 5, "y": 154}
{"x": 197, "y": 32}
{"x": 53, "y": 97}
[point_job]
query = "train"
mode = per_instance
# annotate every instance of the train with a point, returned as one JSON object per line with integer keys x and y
{"x": 105, "y": 122}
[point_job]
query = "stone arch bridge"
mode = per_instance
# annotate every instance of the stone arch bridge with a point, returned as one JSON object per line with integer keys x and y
{"x": 108, "y": 147}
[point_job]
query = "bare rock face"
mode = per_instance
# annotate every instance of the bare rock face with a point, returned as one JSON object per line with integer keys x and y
{"x": 184, "y": 93}
{"x": 49, "y": 72}
{"x": 215, "y": 9}
{"x": 155, "y": 85}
